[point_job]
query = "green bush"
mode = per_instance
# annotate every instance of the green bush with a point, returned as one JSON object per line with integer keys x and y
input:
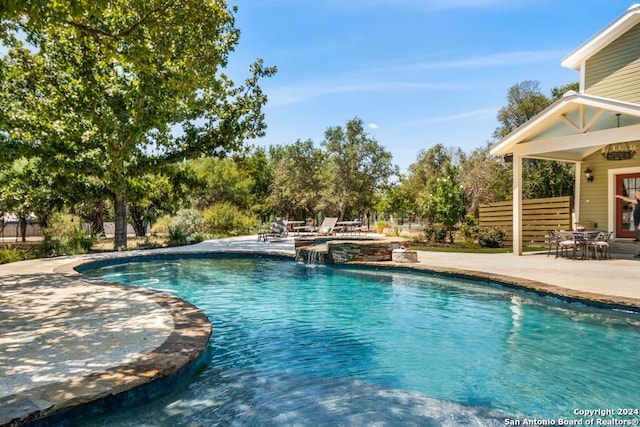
{"x": 225, "y": 219}
{"x": 186, "y": 223}
{"x": 177, "y": 237}
{"x": 469, "y": 227}
{"x": 161, "y": 226}
{"x": 189, "y": 221}
{"x": 490, "y": 237}
{"x": 64, "y": 236}
{"x": 9, "y": 255}
{"x": 435, "y": 233}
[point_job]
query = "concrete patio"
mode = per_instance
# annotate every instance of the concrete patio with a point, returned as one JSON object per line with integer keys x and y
{"x": 66, "y": 339}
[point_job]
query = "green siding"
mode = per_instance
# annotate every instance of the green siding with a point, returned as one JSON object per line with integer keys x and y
{"x": 593, "y": 201}
{"x": 614, "y": 72}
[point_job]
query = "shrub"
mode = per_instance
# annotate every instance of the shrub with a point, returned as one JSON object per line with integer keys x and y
{"x": 189, "y": 221}
{"x": 161, "y": 226}
{"x": 64, "y": 236}
{"x": 225, "y": 219}
{"x": 177, "y": 237}
{"x": 9, "y": 255}
{"x": 435, "y": 233}
{"x": 61, "y": 225}
{"x": 491, "y": 237}
{"x": 186, "y": 223}
{"x": 469, "y": 227}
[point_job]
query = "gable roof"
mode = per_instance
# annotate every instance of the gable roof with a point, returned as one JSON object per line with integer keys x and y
{"x": 602, "y": 39}
{"x": 572, "y": 128}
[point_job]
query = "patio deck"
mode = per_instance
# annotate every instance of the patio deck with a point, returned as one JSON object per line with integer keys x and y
{"x": 66, "y": 339}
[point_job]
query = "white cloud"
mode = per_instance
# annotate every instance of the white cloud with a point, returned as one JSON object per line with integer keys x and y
{"x": 372, "y": 126}
{"x": 295, "y": 94}
{"x": 484, "y": 112}
{"x": 497, "y": 59}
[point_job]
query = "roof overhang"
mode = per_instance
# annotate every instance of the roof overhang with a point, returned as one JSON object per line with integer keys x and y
{"x": 602, "y": 39}
{"x": 574, "y": 127}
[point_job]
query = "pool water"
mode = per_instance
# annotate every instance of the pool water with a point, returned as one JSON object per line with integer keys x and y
{"x": 294, "y": 345}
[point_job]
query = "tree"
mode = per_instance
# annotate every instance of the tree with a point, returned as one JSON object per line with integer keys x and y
{"x": 394, "y": 200}
{"x": 524, "y": 101}
{"x": 483, "y": 178}
{"x": 558, "y": 92}
{"x": 443, "y": 201}
{"x": 26, "y": 191}
{"x": 434, "y": 183}
{"x": 541, "y": 178}
{"x": 221, "y": 181}
{"x": 357, "y": 167}
{"x": 149, "y": 197}
{"x": 102, "y": 86}
{"x": 254, "y": 163}
{"x": 297, "y": 184}
{"x": 429, "y": 165}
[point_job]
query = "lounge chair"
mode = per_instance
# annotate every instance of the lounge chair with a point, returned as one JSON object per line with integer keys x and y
{"x": 328, "y": 226}
{"x": 278, "y": 230}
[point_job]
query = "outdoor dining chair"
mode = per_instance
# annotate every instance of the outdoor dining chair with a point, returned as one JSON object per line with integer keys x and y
{"x": 567, "y": 240}
{"x": 602, "y": 246}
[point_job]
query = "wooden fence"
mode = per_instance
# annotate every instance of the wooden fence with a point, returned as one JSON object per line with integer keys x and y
{"x": 538, "y": 215}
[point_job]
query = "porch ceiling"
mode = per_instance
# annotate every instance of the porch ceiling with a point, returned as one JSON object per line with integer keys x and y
{"x": 573, "y": 128}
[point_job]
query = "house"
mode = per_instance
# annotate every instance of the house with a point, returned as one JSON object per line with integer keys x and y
{"x": 597, "y": 128}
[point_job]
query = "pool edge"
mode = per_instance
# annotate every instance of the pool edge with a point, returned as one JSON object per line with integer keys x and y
{"x": 178, "y": 356}
{"x": 540, "y": 288}
{"x": 183, "y": 350}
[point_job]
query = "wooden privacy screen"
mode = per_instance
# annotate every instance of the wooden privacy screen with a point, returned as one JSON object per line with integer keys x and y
{"x": 538, "y": 215}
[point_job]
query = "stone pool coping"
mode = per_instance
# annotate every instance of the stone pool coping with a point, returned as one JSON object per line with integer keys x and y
{"x": 544, "y": 289}
{"x": 191, "y": 329}
{"x": 180, "y": 351}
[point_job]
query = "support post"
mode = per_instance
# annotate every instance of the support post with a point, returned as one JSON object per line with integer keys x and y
{"x": 517, "y": 204}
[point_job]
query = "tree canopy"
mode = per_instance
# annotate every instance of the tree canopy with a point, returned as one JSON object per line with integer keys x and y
{"x": 98, "y": 89}
{"x": 357, "y": 168}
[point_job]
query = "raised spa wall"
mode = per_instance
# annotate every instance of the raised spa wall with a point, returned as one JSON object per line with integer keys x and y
{"x": 346, "y": 249}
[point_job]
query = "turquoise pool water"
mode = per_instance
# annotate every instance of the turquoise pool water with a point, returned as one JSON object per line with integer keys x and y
{"x": 294, "y": 345}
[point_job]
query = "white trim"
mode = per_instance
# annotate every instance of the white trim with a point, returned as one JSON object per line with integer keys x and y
{"x": 606, "y": 36}
{"x": 549, "y": 115}
{"x": 611, "y": 193}
{"x": 576, "y": 191}
{"x": 580, "y": 140}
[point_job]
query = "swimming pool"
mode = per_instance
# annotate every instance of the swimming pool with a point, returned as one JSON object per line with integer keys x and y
{"x": 356, "y": 346}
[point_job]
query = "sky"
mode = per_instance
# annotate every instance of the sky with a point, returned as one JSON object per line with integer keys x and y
{"x": 417, "y": 72}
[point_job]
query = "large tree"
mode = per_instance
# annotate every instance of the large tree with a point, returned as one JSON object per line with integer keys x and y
{"x": 357, "y": 168}
{"x": 541, "y": 178}
{"x": 100, "y": 87}
{"x": 297, "y": 182}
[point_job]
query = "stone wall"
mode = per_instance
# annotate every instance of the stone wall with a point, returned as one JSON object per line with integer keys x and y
{"x": 338, "y": 250}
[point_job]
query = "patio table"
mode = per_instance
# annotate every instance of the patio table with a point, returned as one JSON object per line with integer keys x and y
{"x": 586, "y": 239}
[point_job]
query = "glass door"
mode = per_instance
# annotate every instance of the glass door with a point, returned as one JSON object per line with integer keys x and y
{"x": 627, "y": 186}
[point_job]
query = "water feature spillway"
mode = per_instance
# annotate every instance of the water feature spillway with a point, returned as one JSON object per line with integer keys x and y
{"x": 345, "y": 249}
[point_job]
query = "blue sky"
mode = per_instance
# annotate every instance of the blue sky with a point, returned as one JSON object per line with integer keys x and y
{"x": 417, "y": 72}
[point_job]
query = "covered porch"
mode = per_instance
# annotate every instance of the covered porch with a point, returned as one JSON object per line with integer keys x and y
{"x": 577, "y": 128}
